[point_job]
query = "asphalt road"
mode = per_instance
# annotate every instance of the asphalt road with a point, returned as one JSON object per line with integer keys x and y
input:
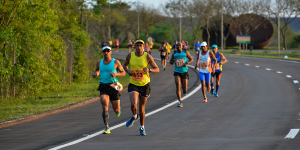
{"x": 256, "y": 110}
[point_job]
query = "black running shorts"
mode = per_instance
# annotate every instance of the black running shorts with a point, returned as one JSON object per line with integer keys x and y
{"x": 142, "y": 90}
{"x": 217, "y": 74}
{"x": 182, "y": 75}
{"x": 110, "y": 91}
{"x": 162, "y": 57}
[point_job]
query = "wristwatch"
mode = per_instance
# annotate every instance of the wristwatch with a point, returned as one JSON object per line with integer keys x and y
{"x": 150, "y": 70}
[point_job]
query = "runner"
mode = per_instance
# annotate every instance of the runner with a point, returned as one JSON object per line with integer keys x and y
{"x": 205, "y": 67}
{"x": 103, "y": 44}
{"x": 109, "y": 88}
{"x": 139, "y": 87}
{"x": 117, "y": 45}
{"x": 151, "y": 46}
{"x": 218, "y": 70}
{"x": 174, "y": 46}
{"x": 163, "y": 53}
{"x": 147, "y": 48}
{"x": 133, "y": 44}
{"x": 181, "y": 74}
{"x": 197, "y": 48}
{"x": 110, "y": 43}
{"x": 169, "y": 47}
{"x": 129, "y": 45}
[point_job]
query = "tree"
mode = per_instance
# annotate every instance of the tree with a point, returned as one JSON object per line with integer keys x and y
{"x": 287, "y": 9}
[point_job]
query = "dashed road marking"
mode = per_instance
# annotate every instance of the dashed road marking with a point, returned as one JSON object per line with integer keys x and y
{"x": 288, "y": 76}
{"x": 247, "y": 64}
{"x": 279, "y": 72}
{"x": 257, "y": 66}
{"x": 236, "y": 62}
{"x": 268, "y": 69}
{"x": 295, "y": 81}
{"x": 292, "y": 134}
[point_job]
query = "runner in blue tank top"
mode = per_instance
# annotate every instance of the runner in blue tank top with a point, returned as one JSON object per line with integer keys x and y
{"x": 181, "y": 74}
{"x": 218, "y": 70}
{"x": 109, "y": 87}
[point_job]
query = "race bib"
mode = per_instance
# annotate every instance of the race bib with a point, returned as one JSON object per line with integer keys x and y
{"x": 198, "y": 48}
{"x": 138, "y": 74}
{"x": 203, "y": 65}
{"x": 179, "y": 62}
{"x": 163, "y": 53}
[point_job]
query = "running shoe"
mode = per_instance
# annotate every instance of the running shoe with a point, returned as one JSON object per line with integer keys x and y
{"x": 130, "y": 122}
{"x": 216, "y": 95}
{"x": 205, "y": 100}
{"x": 212, "y": 91}
{"x": 180, "y": 104}
{"x": 118, "y": 113}
{"x": 106, "y": 131}
{"x": 142, "y": 131}
{"x": 208, "y": 89}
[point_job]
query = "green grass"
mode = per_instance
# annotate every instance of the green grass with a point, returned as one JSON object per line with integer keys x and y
{"x": 69, "y": 94}
{"x": 266, "y": 54}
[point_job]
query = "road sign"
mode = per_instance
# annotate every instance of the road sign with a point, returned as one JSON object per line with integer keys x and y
{"x": 243, "y": 39}
{"x": 149, "y": 39}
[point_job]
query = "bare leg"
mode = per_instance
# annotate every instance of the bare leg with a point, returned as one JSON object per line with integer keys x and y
{"x": 178, "y": 86}
{"x": 203, "y": 88}
{"x": 184, "y": 83}
{"x": 142, "y": 104}
{"x": 104, "y": 99}
{"x": 116, "y": 105}
{"x": 134, "y": 96}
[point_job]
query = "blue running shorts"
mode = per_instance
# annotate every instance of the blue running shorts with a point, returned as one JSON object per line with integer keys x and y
{"x": 205, "y": 76}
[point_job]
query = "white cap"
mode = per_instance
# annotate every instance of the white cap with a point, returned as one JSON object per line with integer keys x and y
{"x": 106, "y": 47}
{"x": 203, "y": 44}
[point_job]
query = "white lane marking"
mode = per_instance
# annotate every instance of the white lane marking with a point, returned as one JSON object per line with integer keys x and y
{"x": 295, "y": 81}
{"x": 288, "y": 76}
{"x": 236, "y": 62}
{"x": 267, "y": 58}
{"x": 123, "y": 123}
{"x": 268, "y": 69}
{"x": 247, "y": 64}
{"x": 292, "y": 134}
{"x": 257, "y": 66}
{"x": 279, "y": 72}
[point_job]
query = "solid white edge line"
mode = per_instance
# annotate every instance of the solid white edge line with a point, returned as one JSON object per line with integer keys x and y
{"x": 122, "y": 124}
{"x": 292, "y": 134}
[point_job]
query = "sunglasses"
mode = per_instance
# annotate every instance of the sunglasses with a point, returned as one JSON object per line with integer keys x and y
{"x": 106, "y": 50}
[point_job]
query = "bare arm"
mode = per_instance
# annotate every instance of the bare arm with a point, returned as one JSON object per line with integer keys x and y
{"x": 125, "y": 66}
{"x": 224, "y": 60}
{"x": 211, "y": 54}
{"x": 121, "y": 70}
{"x": 160, "y": 48}
{"x": 154, "y": 69}
{"x": 97, "y": 70}
{"x": 197, "y": 62}
{"x": 188, "y": 55}
{"x": 172, "y": 59}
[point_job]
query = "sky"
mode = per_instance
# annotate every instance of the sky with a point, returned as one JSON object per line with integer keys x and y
{"x": 155, "y": 3}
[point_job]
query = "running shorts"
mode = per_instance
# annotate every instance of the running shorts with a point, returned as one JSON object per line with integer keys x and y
{"x": 129, "y": 46}
{"x": 182, "y": 75}
{"x": 162, "y": 57}
{"x": 144, "y": 91}
{"x": 217, "y": 74}
{"x": 205, "y": 76}
{"x": 110, "y": 91}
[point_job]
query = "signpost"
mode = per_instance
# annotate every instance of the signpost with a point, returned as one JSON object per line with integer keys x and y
{"x": 243, "y": 39}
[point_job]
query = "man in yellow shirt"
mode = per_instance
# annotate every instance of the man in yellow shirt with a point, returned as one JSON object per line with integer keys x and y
{"x": 139, "y": 87}
{"x": 169, "y": 47}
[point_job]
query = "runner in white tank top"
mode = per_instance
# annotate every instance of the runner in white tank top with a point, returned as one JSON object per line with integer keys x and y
{"x": 204, "y": 66}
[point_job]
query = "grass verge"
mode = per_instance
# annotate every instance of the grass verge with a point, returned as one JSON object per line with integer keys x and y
{"x": 69, "y": 94}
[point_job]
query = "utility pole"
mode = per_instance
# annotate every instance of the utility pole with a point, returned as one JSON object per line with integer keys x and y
{"x": 180, "y": 21}
{"x": 138, "y": 20}
{"x": 222, "y": 36}
{"x": 109, "y": 34}
{"x": 278, "y": 29}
